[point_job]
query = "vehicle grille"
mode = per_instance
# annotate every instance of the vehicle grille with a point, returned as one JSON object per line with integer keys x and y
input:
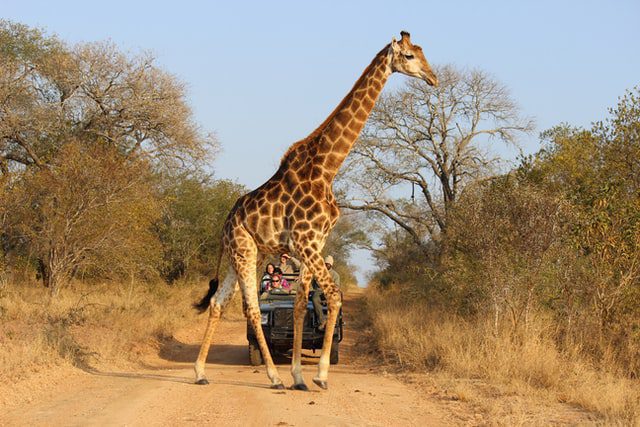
{"x": 283, "y": 317}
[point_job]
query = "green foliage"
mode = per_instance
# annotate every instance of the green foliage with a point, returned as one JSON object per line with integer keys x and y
{"x": 620, "y": 136}
{"x": 94, "y": 148}
{"x": 191, "y": 226}
{"x": 504, "y": 244}
{"x": 558, "y": 236}
{"x": 89, "y": 213}
{"x": 597, "y": 170}
{"x": 582, "y": 264}
{"x": 344, "y": 237}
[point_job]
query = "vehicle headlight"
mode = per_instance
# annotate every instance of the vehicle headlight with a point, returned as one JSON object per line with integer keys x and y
{"x": 264, "y": 318}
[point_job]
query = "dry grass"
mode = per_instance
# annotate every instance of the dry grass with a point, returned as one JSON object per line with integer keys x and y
{"x": 526, "y": 363}
{"x": 89, "y": 325}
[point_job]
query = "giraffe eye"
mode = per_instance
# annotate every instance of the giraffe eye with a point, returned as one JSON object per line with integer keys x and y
{"x": 409, "y": 56}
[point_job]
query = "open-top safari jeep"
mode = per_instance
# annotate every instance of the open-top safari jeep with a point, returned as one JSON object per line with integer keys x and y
{"x": 276, "y": 308}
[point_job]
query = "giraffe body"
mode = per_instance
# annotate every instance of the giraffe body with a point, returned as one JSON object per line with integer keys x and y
{"x": 295, "y": 210}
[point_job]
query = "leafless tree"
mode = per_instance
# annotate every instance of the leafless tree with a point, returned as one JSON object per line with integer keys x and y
{"x": 430, "y": 142}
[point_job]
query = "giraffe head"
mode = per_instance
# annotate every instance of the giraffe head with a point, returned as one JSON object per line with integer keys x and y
{"x": 407, "y": 58}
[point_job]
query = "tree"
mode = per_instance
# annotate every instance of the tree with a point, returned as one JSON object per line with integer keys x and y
{"x": 620, "y": 136}
{"x": 345, "y": 236}
{"x": 23, "y": 51}
{"x": 51, "y": 93}
{"x": 428, "y": 139}
{"x": 191, "y": 225}
{"x": 90, "y": 211}
{"x": 3, "y": 226}
{"x": 506, "y": 240}
{"x": 597, "y": 171}
{"x": 85, "y": 131}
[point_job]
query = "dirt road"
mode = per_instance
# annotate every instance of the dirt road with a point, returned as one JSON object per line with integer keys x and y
{"x": 164, "y": 393}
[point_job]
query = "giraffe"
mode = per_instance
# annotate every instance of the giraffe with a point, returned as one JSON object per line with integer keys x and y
{"x": 294, "y": 212}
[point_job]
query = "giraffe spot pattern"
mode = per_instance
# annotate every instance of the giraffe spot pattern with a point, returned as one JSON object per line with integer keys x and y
{"x": 296, "y": 208}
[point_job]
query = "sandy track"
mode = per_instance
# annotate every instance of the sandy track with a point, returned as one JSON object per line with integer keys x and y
{"x": 164, "y": 393}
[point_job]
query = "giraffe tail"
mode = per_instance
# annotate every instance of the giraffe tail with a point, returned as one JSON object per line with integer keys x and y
{"x": 206, "y": 300}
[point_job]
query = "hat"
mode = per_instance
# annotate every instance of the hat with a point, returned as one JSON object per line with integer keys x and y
{"x": 284, "y": 254}
{"x": 328, "y": 260}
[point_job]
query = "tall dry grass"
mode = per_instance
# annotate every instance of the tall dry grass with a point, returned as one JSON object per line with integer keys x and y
{"x": 414, "y": 336}
{"x": 95, "y": 325}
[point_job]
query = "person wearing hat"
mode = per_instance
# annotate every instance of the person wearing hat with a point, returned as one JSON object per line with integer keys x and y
{"x": 316, "y": 299}
{"x": 286, "y": 267}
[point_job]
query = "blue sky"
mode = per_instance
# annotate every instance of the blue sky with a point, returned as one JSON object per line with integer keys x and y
{"x": 262, "y": 75}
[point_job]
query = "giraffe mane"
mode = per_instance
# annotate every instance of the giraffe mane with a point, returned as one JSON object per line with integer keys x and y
{"x": 318, "y": 131}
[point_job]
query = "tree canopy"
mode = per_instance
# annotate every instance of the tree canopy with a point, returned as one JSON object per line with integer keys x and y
{"x": 99, "y": 154}
{"x": 51, "y": 93}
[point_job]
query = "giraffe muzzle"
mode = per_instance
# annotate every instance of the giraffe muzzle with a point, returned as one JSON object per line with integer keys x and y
{"x": 430, "y": 78}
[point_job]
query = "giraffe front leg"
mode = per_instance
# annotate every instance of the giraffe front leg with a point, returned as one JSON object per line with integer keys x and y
{"x": 334, "y": 303}
{"x": 300, "y": 309}
{"x": 314, "y": 262}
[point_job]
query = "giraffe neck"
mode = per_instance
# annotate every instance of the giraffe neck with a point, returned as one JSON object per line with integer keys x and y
{"x": 328, "y": 146}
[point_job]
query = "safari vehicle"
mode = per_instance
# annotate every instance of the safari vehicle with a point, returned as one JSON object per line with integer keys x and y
{"x": 276, "y": 309}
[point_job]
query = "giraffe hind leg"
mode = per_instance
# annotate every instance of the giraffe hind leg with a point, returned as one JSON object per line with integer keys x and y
{"x": 217, "y": 302}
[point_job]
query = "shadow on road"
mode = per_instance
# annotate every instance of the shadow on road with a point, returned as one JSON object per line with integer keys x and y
{"x": 171, "y": 378}
{"x": 174, "y": 350}
{"x": 144, "y": 376}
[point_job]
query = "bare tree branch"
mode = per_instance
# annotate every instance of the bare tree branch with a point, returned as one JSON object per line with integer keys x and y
{"x": 429, "y": 137}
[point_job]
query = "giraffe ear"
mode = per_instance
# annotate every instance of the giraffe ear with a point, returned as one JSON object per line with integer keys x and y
{"x": 394, "y": 45}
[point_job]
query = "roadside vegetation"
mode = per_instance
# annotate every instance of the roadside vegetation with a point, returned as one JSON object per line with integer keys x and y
{"x": 87, "y": 325}
{"x": 525, "y": 277}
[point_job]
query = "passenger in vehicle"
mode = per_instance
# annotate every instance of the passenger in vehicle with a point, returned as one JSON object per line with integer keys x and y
{"x": 317, "y": 294}
{"x": 278, "y": 282}
{"x": 266, "y": 277}
{"x": 288, "y": 265}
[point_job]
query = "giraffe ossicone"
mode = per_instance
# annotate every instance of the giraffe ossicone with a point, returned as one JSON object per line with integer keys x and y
{"x": 295, "y": 210}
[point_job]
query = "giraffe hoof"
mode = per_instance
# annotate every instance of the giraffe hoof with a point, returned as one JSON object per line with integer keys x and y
{"x": 277, "y": 386}
{"x": 202, "y": 381}
{"x": 301, "y": 387}
{"x": 321, "y": 383}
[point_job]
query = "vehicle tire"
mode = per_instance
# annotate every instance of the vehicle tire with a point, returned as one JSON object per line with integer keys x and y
{"x": 334, "y": 356}
{"x": 255, "y": 357}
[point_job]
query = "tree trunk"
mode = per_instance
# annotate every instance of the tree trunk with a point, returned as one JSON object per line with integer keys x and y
{"x": 43, "y": 273}
{"x": 54, "y": 283}
{"x": 51, "y": 275}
